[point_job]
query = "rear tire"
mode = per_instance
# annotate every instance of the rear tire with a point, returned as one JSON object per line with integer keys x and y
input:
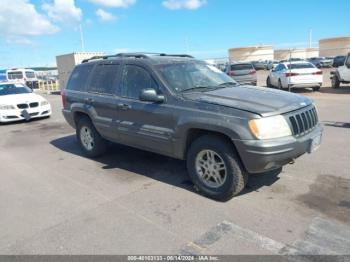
{"x": 335, "y": 82}
{"x": 90, "y": 141}
{"x": 203, "y": 170}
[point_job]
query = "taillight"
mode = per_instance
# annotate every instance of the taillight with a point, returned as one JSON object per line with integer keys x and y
{"x": 291, "y": 74}
{"x": 252, "y": 72}
{"x": 231, "y": 73}
{"x": 64, "y": 99}
{"x": 318, "y": 73}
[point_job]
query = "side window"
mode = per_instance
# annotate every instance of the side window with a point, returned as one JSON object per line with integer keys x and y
{"x": 79, "y": 76}
{"x": 104, "y": 79}
{"x": 135, "y": 79}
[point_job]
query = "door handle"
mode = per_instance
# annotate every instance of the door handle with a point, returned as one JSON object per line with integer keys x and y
{"x": 123, "y": 106}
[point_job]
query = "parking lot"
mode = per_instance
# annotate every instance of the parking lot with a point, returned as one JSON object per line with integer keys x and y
{"x": 56, "y": 201}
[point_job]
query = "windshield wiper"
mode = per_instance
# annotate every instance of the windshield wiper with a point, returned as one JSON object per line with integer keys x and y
{"x": 196, "y": 87}
{"x": 229, "y": 83}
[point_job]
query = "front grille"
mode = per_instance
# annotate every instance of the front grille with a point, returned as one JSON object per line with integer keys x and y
{"x": 303, "y": 122}
{"x": 22, "y": 106}
{"x": 36, "y": 104}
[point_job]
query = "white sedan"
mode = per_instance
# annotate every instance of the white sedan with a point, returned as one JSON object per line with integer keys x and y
{"x": 18, "y": 102}
{"x": 295, "y": 74}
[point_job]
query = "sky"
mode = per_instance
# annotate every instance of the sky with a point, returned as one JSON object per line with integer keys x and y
{"x": 33, "y": 32}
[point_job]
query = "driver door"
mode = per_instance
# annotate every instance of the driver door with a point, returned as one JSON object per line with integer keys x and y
{"x": 145, "y": 125}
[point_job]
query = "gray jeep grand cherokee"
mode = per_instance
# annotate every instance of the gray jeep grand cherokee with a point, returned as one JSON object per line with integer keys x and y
{"x": 184, "y": 108}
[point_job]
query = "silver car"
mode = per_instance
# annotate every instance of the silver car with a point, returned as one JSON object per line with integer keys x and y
{"x": 243, "y": 73}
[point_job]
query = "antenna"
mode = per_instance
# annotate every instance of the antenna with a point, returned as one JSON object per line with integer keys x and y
{"x": 82, "y": 38}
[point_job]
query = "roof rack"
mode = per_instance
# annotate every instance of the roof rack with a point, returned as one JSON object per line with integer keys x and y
{"x": 96, "y": 58}
{"x": 135, "y": 55}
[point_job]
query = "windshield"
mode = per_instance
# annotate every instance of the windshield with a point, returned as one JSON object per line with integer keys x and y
{"x": 300, "y": 66}
{"x": 14, "y": 89}
{"x": 15, "y": 75}
{"x": 189, "y": 76}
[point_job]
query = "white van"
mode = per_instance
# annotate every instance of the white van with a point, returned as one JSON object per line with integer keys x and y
{"x": 24, "y": 76}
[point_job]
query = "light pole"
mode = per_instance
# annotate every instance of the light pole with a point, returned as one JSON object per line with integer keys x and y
{"x": 82, "y": 38}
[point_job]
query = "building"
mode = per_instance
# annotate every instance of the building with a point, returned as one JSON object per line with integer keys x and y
{"x": 304, "y": 53}
{"x": 251, "y": 53}
{"x": 67, "y": 62}
{"x": 334, "y": 46}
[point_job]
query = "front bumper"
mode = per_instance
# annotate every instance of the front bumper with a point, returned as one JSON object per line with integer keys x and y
{"x": 24, "y": 114}
{"x": 259, "y": 156}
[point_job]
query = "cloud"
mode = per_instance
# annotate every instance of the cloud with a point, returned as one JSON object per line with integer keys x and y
{"x": 19, "y": 40}
{"x": 105, "y": 16}
{"x": 63, "y": 11}
{"x": 114, "y": 3}
{"x": 20, "y": 18}
{"x": 183, "y": 4}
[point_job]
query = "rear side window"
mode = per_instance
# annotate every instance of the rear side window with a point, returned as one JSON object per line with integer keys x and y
{"x": 300, "y": 66}
{"x": 135, "y": 79}
{"x": 104, "y": 79}
{"x": 79, "y": 77}
{"x": 241, "y": 67}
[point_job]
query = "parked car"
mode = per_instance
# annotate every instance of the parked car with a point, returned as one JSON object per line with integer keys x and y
{"x": 18, "y": 102}
{"x": 321, "y": 62}
{"x": 295, "y": 74}
{"x": 339, "y": 61}
{"x": 20, "y": 75}
{"x": 272, "y": 64}
{"x": 243, "y": 73}
{"x": 187, "y": 109}
{"x": 259, "y": 65}
{"x": 342, "y": 74}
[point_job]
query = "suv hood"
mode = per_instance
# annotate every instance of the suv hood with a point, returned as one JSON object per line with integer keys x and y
{"x": 258, "y": 100}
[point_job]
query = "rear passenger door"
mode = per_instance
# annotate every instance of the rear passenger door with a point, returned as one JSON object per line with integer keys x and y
{"x": 102, "y": 97}
{"x": 141, "y": 124}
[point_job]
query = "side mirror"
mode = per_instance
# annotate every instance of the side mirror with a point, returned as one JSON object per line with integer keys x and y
{"x": 150, "y": 95}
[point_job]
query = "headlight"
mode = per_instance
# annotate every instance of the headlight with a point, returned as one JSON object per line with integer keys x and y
{"x": 270, "y": 127}
{"x": 44, "y": 103}
{"x": 6, "y": 107}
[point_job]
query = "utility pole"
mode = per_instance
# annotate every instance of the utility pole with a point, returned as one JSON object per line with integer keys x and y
{"x": 82, "y": 38}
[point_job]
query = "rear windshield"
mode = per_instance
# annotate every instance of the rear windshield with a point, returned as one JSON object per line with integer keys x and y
{"x": 15, "y": 75}
{"x": 241, "y": 67}
{"x": 300, "y": 66}
{"x": 13, "y": 89}
{"x": 30, "y": 74}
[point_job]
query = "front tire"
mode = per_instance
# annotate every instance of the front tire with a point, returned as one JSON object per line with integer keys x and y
{"x": 90, "y": 141}
{"x": 215, "y": 168}
{"x": 268, "y": 82}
